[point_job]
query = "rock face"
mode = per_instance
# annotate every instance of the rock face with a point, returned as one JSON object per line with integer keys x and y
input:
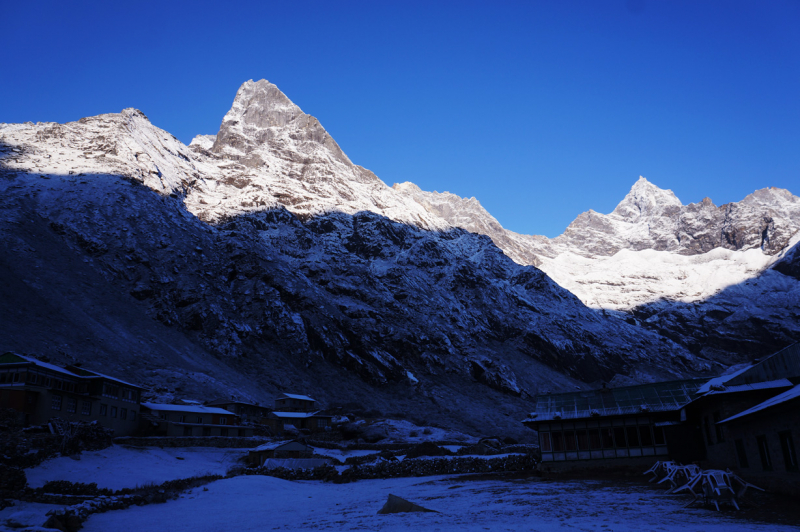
{"x": 722, "y": 281}
{"x": 262, "y": 260}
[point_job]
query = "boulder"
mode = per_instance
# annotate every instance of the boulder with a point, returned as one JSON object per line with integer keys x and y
{"x": 396, "y": 505}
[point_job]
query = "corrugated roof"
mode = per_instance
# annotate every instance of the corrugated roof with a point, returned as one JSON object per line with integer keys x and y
{"x": 788, "y": 395}
{"x": 301, "y": 397}
{"x": 722, "y": 389}
{"x": 721, "y": 380}
{"x": 52, "y": 367}
{"x": 95, "y": 374}
{"x": 653, "y": 397}
{"x": 274, "y": 445}
{"x": 299, "y": 415}
{"x": 185, "y": 408}
{"x": 89, "y": 373}
{"x": 784, "y": 364}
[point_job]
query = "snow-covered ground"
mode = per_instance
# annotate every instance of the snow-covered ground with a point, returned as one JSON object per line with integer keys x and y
{"x": 266, "y": 503}
{"x": 120, "y": 467}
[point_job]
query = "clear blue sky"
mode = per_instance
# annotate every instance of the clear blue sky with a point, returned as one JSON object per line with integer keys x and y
{"x": 539, "y": 109}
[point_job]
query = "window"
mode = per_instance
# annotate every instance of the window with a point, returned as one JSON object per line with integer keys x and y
{"x": 187, "y": 431}
{"x": 133, "y": 415}
{"x": 3, "y": 377}
{"x": 608, "y": 438}
{"x": 594, "y": 439}
{"x": 162, "y": 415}
{"x": 199, "y": 420}
{"x": 569, "y": 440}
{"x": 110, "y": 391}
{"x": 583, "y": 440}
{"x": 223, "y": 421}
{"x": 544, "y": 441}
{"x": 123, "y": 413}
{"x": 645, "y": 436}
{"x": 113, "y": 411}
{"x": 558, "y": 441}
{"x": 103, "y": 410}
{"x": 242, "y": 433}
{"x": 16, "y": 377}
{"x": 72, "y": 405}
{"x": 322, "y": 423}
{"x": 86, "y": 408}
{"x": 718, "y": 428}
{"x": 789, "y": 451}
{"x": 763, "y": 451}
{"x": 181, "y": 419}
{"x": 707, "y": 430}
{"x": 55, "y": 403}
{"x": 633, "y": 436}
{"x": 658, "y": 435}
{"x": 206, "y": 431}
{"x": 619, "y": 437}
{"x": 741, "y": 454}
{"x": 223, "y": 431}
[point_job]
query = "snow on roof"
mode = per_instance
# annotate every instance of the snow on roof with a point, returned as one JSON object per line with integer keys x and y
{"x": 65, "y": 371}
{"x": 96, "y": 374}
{"x": 721, "y": 380}
{"x": 300, "y": 397}
{"x": 788, "y": 395}
{"x": 274, "y": 445}
{"x": 52, "y": 367}
{"x": 185, "y": 408}
{"x": 299, "y": 415}
{"x": 652, "y": 397}
{"x": 232, "y": 402}
{"x": 779, "y": 383}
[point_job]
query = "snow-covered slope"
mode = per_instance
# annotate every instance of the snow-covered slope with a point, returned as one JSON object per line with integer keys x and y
{"x": 699, "y": 273}
{"x": 266, "y": 261}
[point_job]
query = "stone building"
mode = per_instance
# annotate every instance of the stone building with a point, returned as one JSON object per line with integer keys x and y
{"x": 42, "y": 392}
{"x": 749, "y": 421}
{"x": 193, "y": 420}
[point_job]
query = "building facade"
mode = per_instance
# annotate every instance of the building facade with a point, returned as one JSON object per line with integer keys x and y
{"x": 41, "y": 392}
{"x": 188, "y": 420}
{"x": 749, "y": 421}
{"x": 610, "y": 427}
{"x": 247, "y": 412}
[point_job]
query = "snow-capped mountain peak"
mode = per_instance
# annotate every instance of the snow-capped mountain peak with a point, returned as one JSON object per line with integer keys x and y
{"x": 262, "y": 113}
{"x": 646, "y": 200}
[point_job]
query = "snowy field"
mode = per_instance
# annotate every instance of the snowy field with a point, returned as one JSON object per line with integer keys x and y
{"x": 120, "y": 467}
{"x": 251, "y": 503}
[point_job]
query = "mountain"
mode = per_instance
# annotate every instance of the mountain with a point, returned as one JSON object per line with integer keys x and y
{"x": 262, "y": 260}
{"x": 721, "y": 281}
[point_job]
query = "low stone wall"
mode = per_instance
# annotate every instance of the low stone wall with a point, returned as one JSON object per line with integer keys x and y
{"x": 83, "y": 500}
{"x": 405, "y": 468}
{"x": 373, "y": 446}
{"x": 192, "y": 441}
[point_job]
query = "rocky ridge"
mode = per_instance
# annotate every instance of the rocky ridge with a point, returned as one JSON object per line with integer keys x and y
{"x": 262, "y": 260}
{"x": 712, "y": 278}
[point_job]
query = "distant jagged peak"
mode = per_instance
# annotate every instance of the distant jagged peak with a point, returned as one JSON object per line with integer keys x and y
{"x": 771, "y": 196}
{"x": 644, "y": 200}
{"x": 406, "y": 187}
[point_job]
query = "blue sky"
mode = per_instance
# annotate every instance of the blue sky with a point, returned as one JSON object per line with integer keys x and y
{"x": 541, "y": 110}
